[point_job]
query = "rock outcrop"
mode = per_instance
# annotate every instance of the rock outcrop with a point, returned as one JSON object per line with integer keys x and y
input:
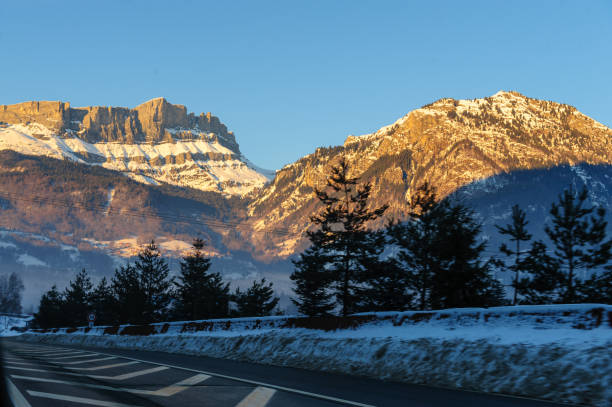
{"x": 154, "y": 142}
{"x": 53, "y": 115}
{"x": 153, "y": 121}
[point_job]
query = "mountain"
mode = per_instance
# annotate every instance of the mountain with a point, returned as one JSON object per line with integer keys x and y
{"x": 449, "y": 143}
{"x": 66, "y": 202}
{"x": 156, "y": 142}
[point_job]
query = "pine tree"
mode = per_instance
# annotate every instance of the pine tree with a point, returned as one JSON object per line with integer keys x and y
{"x": 342, "y": 238}
{"x": 385, "y": 288}
{"x": 312, "y": 282}
{"x": 153, "y": 273}
{"x": 542, "y": 284}
{"x": 129, "y": 296}
{"x": 50, "y": 313}
{"x": 579, "y": 240}
{"x": 440, "y": 253}
{"x": 417, "y": 239}
{"x": 461, "y": 278}
{"x": 257, "y": 301}
{"x": 77, "y": 297}
{"x": 517, "y": 230}
{"x": 103, "y": 303}
{"x": 200, "y": 294}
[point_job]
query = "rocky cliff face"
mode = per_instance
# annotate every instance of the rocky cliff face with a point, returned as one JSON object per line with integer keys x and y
{"x": 449, "y": 143}
{"x": 153, "y": 121}
{"x": 155, "y": 142}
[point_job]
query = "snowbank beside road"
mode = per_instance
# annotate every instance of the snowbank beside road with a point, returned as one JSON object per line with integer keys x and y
{"x": 559, "y": 352}
{"x": 11, "y": 325}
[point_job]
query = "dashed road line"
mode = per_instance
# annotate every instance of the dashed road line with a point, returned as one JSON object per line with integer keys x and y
{"x": 54, "y": 354}
{"x": 163, "y": 392}
{"x": 38, "y": 352}
{"x": 80, "y": 362}
{"x": 130, "y": 375}
{"x": 15, "y": 395}
{"x": 132, "y": 362}
{"x": 178, "y": 387}
{"x": 254, "y": 382}
{"x": 257, "y": 398}
{"x": 30, "y": 363}
{"x": 118, "y": 377}
{"x": 203, "y": 376}
{"x": 74, "y": 399}
{"x": 74, "y": 357}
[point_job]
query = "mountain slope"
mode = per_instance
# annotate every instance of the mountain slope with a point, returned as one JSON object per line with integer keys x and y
{"x": 448, "y": 143}
{"x": 58, "y": 215}
{"x": 152, "y": 143}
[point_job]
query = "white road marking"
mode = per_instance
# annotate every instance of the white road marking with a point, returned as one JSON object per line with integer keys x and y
{"x": 178, "y": 387}
{"x": 254, "y": 382}
{"x": 103, "y": 367}
{"x": 88, "y": 361}
{"x": 15, "y": 395}
{"x": 44, "y": 350}
{"x": 163, "y": 392}
{"x": 74, "y": 357}
{"x": 73, "y": 399}
{"x": 118, "y": 377}
{"x": 54, "y": 354}
{"x": 257, "y": 398}
{"x": 129, "y": 375}
{"x": 28, "y": 363}
{"x": 38, "y": 352}
{"x": 238, "y": 379}
{"x": 28, "y": 369}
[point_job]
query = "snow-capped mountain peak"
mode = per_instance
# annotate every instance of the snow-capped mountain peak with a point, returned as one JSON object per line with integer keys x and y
{"x": 154, "y": 142}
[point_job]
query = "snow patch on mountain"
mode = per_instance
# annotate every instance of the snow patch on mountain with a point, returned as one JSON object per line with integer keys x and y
{"x": 202, "y": 163}
{"x": 28, "y": 260}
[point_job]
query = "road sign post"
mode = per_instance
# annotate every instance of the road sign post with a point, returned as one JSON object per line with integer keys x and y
{"x": 91, "y": 318}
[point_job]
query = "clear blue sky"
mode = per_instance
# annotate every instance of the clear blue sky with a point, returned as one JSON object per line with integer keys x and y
{"x": 289, "y": 76}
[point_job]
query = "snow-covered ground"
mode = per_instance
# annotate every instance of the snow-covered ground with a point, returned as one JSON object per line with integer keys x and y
{"x": 559, "y": 352}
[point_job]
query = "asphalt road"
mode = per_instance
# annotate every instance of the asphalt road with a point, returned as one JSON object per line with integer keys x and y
{"x": 46, "y": 375}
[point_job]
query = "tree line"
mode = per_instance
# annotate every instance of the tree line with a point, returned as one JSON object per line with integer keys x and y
{"x": 144, "y": 292}
{"x": 436, "y": 260}
{"x": 433, "y": 260}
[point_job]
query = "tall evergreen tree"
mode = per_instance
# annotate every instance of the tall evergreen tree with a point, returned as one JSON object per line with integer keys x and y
{"x": 257, "y": 301}
{"x": 578, "y": 238}
{"x": 417, "y": 240}
{"x": 312, "y": 282}
{"x": 50, "y": 313}
{"x": 155, "y": 283}
{"x": 384, "y": 288}
{"x": 199, "y": 293}
{"x": 342, "y": 238}
{"x": 77, "y": 297}
{"x": 541, "y": 285}
{"x": 517, "y": 231}
{"x": 103, "y": 303}
{"x": 462, "y": 278}
{"x": 440, "y": 252}
{"x": 129, "y": 296}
